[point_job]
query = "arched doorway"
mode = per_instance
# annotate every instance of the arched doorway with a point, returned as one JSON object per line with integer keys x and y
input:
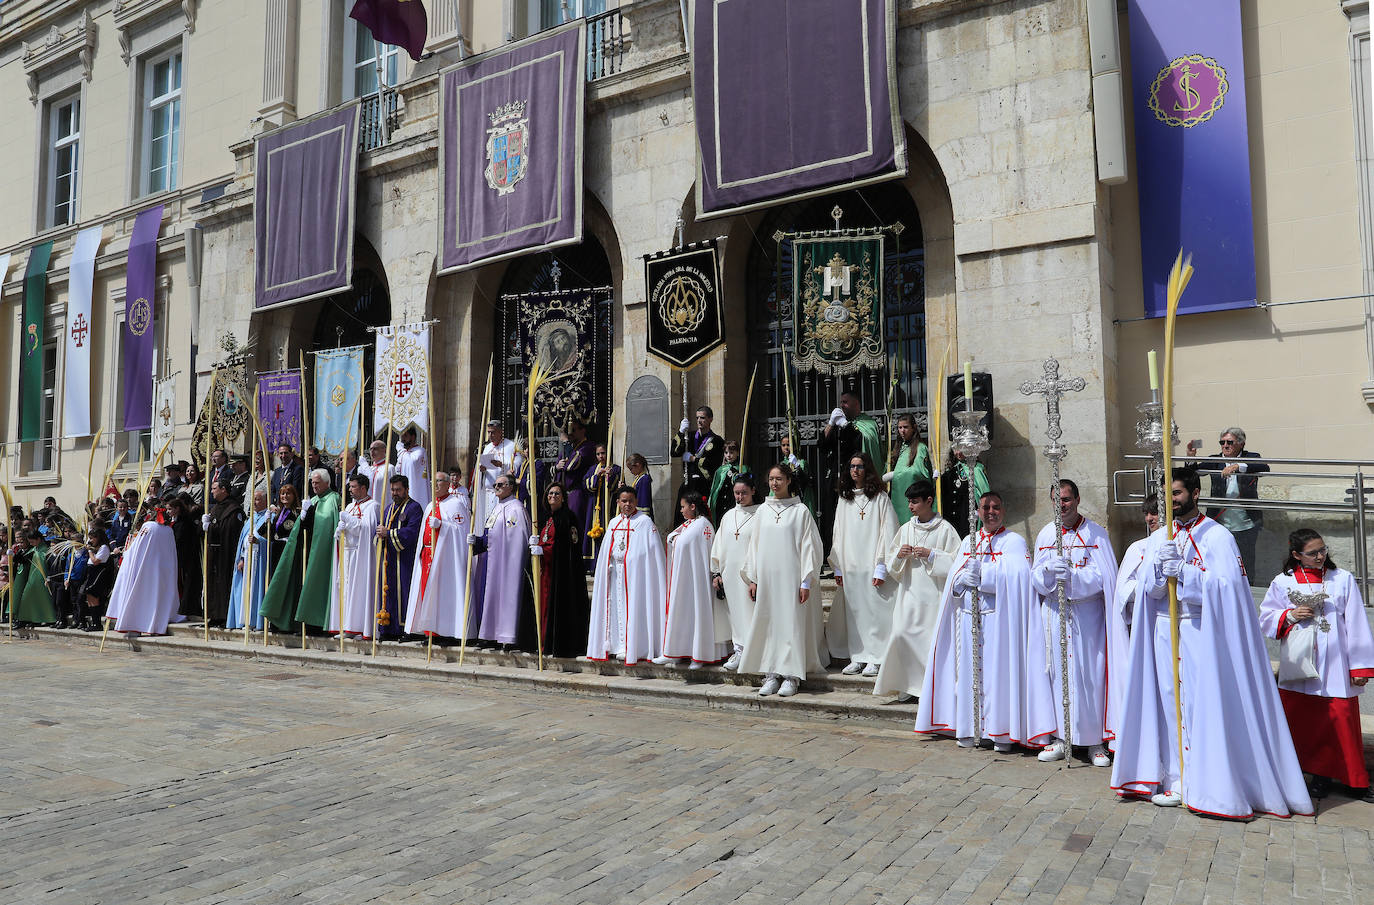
{"x": 770, "y": 321}
{"x": 581, "y": 266}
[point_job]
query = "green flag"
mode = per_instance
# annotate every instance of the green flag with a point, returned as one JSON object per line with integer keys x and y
{"x": 31, "y": 343}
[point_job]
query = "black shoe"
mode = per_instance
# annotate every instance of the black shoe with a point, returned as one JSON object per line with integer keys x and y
{"x": 1319, "y": 787}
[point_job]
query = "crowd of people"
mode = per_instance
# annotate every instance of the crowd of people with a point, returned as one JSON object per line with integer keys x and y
{"x": 1047, "y": 646}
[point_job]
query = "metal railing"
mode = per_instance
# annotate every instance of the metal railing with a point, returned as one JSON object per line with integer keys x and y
{"x": 371, "y": 133}
{"x": 1349, "y": 476}
{"x": 605, "y": 44}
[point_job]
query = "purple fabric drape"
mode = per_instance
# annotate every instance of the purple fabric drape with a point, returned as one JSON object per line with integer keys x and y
{"x": 140, "y": 297}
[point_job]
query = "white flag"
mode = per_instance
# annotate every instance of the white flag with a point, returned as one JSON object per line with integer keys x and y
{"x": 76, "y": 387}
{"x": 402, "y": 378}
{"x": 164, "y": 410}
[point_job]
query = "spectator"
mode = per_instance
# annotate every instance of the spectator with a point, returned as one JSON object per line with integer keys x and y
{"x": 1236, "y": 481}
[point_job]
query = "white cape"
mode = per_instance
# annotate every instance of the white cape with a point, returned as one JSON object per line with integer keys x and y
{"x": 145, "y": 595}
{"x": 1347, "y": 644}
{"x": 357, "y": 529}
{"x": 728, "y": 551}
{"x": 436, "y": 600}
{"x": 628, "y": 592}
{"x": 689, "y": 628}
{"x": 916, "y": 603}
{"x": 1127, "y": 583}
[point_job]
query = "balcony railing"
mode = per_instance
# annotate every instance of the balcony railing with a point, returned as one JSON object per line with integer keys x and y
{"x": 371, "y": 134}
{"x": 605, "y": 44}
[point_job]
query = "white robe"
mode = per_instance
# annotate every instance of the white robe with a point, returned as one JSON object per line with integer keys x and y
{"x": 438, "y": 608}
{"x": 917, "y": 584}
{"x": 1128, "y": 582}
{"x": 689, "y": 628}
{"x": 489, "y": 471}
{"x": 627, "y": 593}
{"x": 357, "y": 530}
{"x": 860, "y": 614}
{"x": 144, "y": 597}
{"x": 1347, "y": 644}
{"x": 728, "y": 550}
{"x": 784, "y": 555}
{"x": 379, "y": 482}
{"x": 1015, "y": 708}
{"x": 1239, "y": 752}
{"x": 1097, "y": 635}
{"x": 413, "y": 463}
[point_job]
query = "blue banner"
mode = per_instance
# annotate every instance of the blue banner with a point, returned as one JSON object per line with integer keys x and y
{"x": 338, "y": 386}
{"x": 1192, "y": 147}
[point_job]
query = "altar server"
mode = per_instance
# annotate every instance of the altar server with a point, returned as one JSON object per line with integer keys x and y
{"x": 505, "y": 546}
{"x": 728, "y": 551}
{"x": 1129, "y": 575}
{"x": 861, "y": 613}
{"x": 690, "y": 631}
{"x": 437, "y": 583}
{"x": 355, "y": 562}
{"x": 628, "y": 591}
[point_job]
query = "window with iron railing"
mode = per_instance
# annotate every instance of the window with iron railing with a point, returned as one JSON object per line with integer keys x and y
{"x": 605, "y": 44}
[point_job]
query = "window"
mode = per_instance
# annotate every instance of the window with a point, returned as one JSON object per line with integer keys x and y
{"x": 1362, "y": 98}
{"x": 63, "y": 160}
{"x": 161, "y": 122}
{"x": 548, "y": 13}
{"x": 42, "y": 452}
{"x": 360, "y": 73}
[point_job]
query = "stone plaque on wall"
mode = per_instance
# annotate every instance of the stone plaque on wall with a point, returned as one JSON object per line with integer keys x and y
{"x": 646, "y": 420}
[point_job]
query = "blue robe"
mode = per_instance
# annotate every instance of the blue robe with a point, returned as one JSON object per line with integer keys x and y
{"x": 398, "y": 561}
{"x": 235, "y": 617}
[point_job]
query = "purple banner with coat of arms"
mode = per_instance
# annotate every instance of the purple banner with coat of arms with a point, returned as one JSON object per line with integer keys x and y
{"x": 1192, "y": 148}
{"x": 303, "y": 208}
{"x": 793, "y": 98}
{"x": 510, "y": 149}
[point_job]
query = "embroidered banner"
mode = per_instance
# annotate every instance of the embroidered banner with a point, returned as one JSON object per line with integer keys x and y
{"x": 1192, "y": 151}
{"x": 837, "y": 303}
{"x": 31, "y": 342}
{"x": 279, "y": 409}
{"x": 303, "y": 207}
{"x": 402, "y": 378}
{"x": 559, "y": 330}
{"x": 76, "y": 384}
{"x": 164, "y": 411}
{"x": 225, "y": 410}
{"x": 338, "y": 399}
{"x": 510, "y": 149}
{"x": 140, "y": 329}
{"x": 683, "y": 289}
{"x": 768, "y": 126}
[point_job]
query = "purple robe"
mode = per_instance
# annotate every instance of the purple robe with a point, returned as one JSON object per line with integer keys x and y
{"x": 507, "y": 540}
{"x": 644, "y": 492}
{"x": 573, "y": 477}
{"x": 596, "y": 487}
{"x": 398, "y": 561}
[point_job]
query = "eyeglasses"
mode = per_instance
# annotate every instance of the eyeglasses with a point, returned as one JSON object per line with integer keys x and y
{"x": 858, "y": 465}
{"x": 1228, "y": 442}
{"x": 1320, "y": 551}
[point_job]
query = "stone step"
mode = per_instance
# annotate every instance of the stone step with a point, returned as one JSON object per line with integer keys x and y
{"x": 830, "y": 697}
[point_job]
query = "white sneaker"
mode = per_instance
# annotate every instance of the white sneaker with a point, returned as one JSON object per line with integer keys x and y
{"x": 770, "y": 686}
{"x": 1001, "y": 747}
{"x": 1100, "y": 756}
{"x": 661, "y": 661}
{"x": 788, "y": 688}
{"x": 733, "y": 662}
{"x": 871, "y": 670}
{"x": 1055, "y": 750}
{"x": 853, "y": 669}
{"x": 968, "y": 741}
{"x": 695, "y": 665}
{"x": 906, "y": 698}
{"x": 1167, "y": 799}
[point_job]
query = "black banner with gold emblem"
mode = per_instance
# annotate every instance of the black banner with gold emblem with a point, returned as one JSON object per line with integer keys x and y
{"x": 683, "y": 291}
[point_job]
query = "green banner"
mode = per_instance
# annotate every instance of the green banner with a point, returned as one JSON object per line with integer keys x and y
{"x": 31, "y": 343}
{"x": 837, "y": 303}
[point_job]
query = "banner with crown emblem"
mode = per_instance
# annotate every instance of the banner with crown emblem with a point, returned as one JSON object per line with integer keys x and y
{"x": 338, "y": 399}
{"x": 164, "y": 410}
{"x": 837, "y": 303}
{"x": 1192, "y": 151}
{"x": 510, "y": 149}
{"x": 305, "y": 176}
{"x": 402, "y": 378}
{"x": 683, "y": 289}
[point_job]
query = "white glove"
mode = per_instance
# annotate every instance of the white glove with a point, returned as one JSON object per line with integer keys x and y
{"x": 887, "y": 478}
{"x": 1169, "y": 560}
{"x": 793, "y": 460}
{"x": 308, "y": 503}
{"x": 973, "y": 573}
{"x": 1059, "y": 568}
{"x": 399, "y": 447}
{"x": 534, "y": 540}
{"x": 205, "y": 522}
{"x": 838, "y": 418}
{"x": 686, "y": 458}
{"x": 1173, "y": 568}
{"x": 472, "y": 540}
{"x": 682, "y": 428}
{"x": 536, "y": 550}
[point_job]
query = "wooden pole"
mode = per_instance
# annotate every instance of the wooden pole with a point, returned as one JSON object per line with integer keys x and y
{"x": 537, "y": 377}
{"x": 205, "y": 535}
{"x": 433, "y": 466}
{"x": 474, "y": 467}
{"x": 743, "y": 425}
{"x": 247, "y": 603}
{"x": 343, "y": 490}
{"x": 381, "y": 566}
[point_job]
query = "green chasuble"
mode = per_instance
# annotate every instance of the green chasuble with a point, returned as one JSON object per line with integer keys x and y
{"x": 869, "y": 440}
{"x": 904, "y": 474}
{"x": 313, "y": 605}
{"x": 32, "y": 602}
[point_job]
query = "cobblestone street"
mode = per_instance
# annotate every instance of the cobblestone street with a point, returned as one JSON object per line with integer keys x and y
{"x": 127, "y": 778}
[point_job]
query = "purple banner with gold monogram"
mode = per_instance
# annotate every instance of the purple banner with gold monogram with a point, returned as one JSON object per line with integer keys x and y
{"x": 1192, "y": 148}
{"x": 303, "y": 201}
{"x": 140, "y": 329}
{"x": 510, "y": 149}
{"x": 793, "y": 98}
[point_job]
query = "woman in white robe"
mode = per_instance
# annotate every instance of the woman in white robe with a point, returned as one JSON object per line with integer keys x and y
{"x": 356, "y": 534}
{"x": 145, "y": 595}
{"x": 728, "y": 551}
{"x": 627, "y": 593}
{"x": 919, "y": 558}
{"x": 782, "y": 567}
{"x": 864, "y": 527}
{"x": 689, "y": 630}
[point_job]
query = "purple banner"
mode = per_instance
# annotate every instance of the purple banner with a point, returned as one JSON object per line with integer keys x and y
{"x": 140, "y": 330}
{"x": 303, "y": 208}
{"x": 279, "y": 408}
{"x": 1192, "y": 151}
{"x": 793, "y": 98}
{"x": 510, "y": 149}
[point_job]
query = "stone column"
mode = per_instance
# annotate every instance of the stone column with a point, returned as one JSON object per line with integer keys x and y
{"x": 280, "y": 51}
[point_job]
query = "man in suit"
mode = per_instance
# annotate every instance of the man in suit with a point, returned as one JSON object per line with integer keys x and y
{"x": 238, "y": 477}
{"x": 290, "y": 471}
{"x": 1236, "y": 481}
{"x": 219, "y": 468}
